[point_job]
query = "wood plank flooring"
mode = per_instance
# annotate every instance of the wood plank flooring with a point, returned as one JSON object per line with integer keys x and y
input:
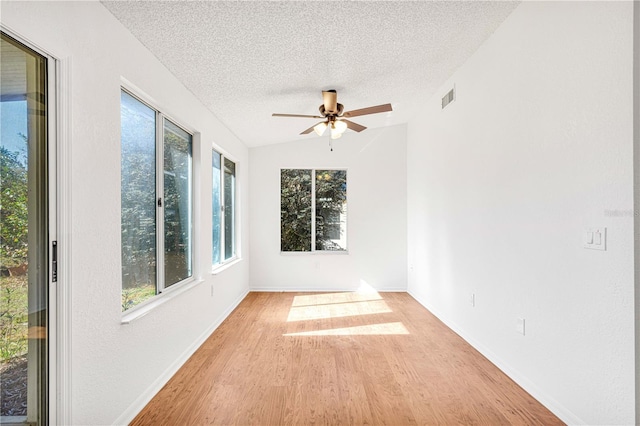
{"x": 339, "y": 359}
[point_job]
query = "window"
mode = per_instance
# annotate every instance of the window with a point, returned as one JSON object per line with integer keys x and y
{"x": 223, "y": 208}
{"x": 313, "y": 210}
{"x": 156, "y": 213}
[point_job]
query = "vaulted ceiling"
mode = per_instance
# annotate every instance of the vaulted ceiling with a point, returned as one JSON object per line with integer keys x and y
{"x": 245, "y": 60}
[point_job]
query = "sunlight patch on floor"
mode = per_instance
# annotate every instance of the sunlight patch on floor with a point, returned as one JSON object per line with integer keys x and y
{"x": 337, "y": 310}
{"x": 361, "y": 330}
{"x": 364, "y": 293}
{"x": 332, "y": 298}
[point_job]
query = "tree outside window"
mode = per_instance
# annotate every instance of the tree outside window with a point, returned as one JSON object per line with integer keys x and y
{"x": 313, "y": 210}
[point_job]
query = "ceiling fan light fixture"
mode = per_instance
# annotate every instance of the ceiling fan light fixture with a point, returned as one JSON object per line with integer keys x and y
{"x": 320, "y": 128}
{"x": 340, "y": 126}
{"x": 335, "y": 133}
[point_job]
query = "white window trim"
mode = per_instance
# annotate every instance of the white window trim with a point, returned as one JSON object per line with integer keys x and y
{"x": 163, "y": 294}
{"x": 313, "y": 251}
{"x": 60, "y": 390}
{"x": 219, "y": 267}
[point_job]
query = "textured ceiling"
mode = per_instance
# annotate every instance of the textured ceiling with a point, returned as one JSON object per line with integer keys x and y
{"x": 246, "y": 60}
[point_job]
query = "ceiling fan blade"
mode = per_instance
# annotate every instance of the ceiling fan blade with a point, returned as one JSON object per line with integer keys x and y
{"x": 354, "y": 126}
{"x": 330, "y": 99}
{"x": 369, "y": 110}
{"x": 296, "y": 115}
{"x": 310, "y": 129}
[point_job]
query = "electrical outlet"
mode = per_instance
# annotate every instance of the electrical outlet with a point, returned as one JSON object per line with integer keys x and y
{"x": 472, "y": 300}
{"x": 520, "y": 326}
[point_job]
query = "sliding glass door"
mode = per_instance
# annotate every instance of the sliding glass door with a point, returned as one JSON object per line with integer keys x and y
{"x": 24, "y": 234}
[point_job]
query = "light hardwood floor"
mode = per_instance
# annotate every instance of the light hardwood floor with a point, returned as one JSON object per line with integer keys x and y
{"x": 339, "y": 358}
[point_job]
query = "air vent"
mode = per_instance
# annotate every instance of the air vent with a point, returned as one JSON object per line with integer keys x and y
{"x": 448, "y": 98}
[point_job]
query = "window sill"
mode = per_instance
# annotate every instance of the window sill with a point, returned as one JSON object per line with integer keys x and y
{"x": 223, "y": 266}
{"x": 315, "y": 253}
{"x": 159, "y": 299}
{"x": 13, "y": 420}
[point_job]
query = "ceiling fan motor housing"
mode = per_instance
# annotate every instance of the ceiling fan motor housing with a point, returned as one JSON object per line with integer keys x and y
{"x": 326, "y": 113}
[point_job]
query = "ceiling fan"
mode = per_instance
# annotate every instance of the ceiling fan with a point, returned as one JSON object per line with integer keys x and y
{"x": 335, "y": 118}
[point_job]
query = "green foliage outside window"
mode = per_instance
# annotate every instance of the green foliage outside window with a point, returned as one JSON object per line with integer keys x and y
{"x": 177, "y": 209}
{"x": 138, "y": 196}
{"x": 297, "y": 208}
{"x": 331, "y": 198}
{"x": 13, "y": 253}
{"x": 13, "y": 208}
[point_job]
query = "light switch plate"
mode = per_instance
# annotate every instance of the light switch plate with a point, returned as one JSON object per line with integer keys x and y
{"x": 595, "y": 238}
{"x": 520, "y": 325}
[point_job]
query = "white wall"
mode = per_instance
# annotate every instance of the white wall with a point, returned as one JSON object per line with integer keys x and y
{"x": 376, "y": 202}
{"x": 115, "y": 367}
{"x": 502, "y": 183}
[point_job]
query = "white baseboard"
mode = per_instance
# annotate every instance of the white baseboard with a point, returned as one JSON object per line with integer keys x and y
{"x": 321, "y": 290}
{"x": 140, "y": 402}
{"x": 556, "y": 408}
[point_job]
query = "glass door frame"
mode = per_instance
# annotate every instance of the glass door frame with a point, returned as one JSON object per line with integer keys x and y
{"x": 59, "y": 231}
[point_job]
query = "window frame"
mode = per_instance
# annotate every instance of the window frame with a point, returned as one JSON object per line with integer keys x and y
{"x": 164, "y": 292}
{"x": 235, "y": 257}
{"x": 313, "y": 250}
